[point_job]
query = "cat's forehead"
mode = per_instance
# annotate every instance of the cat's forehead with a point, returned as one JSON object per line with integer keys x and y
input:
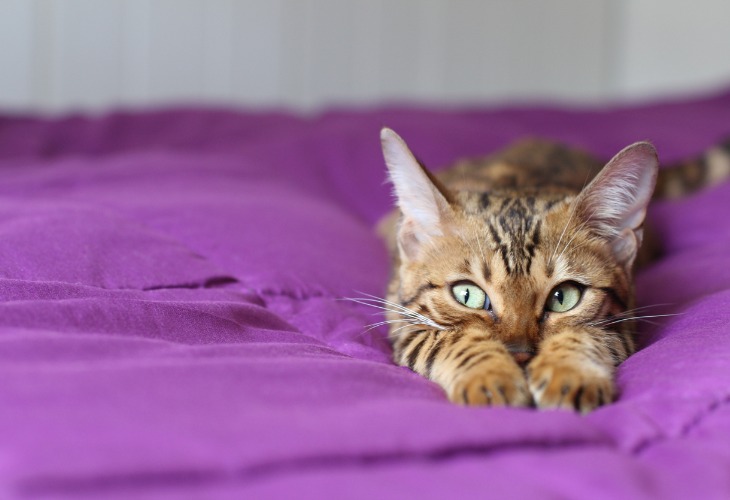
{"x": 512, "y": 211}
{"x": 514, "y": 227}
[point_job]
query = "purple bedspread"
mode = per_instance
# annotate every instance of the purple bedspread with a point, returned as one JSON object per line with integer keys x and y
{"x": 170, "y": 323}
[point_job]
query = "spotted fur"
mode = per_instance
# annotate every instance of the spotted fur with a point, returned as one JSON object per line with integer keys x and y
{"x": 518, "y": 224}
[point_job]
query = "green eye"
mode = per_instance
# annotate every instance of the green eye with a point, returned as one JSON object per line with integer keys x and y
{"x": 564, "y": 297}
{"x": 470, "y": 295}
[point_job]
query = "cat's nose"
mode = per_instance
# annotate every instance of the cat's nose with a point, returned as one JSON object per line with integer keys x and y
{"x": 522, "y": 357}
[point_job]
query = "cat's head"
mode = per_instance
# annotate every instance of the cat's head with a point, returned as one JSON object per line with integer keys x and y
{"x": 520, "y": 265}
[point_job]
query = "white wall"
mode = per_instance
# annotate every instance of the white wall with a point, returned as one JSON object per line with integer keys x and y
{"x": 669, "y": 46}
{"x": 94, "y": 54}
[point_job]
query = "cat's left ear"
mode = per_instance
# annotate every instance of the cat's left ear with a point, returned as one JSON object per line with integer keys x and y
{"x": 614, "y": 203}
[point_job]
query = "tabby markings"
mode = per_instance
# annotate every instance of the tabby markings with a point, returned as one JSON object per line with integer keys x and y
{"x": 418, "y": 293}
{"x": 516, "y": 233}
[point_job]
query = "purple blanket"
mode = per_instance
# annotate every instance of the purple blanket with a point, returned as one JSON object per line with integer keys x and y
{"x": 170, "y": 323}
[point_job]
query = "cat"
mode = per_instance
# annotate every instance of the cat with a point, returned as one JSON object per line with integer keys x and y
{"x": 512, "y": 279}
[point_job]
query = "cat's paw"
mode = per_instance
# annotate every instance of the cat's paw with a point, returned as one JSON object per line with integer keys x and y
{"x": 492, "y": 384}
{"x": 569, "y": 385}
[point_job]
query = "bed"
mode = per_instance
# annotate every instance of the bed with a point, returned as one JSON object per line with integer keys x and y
{"x": 171, "y": 322}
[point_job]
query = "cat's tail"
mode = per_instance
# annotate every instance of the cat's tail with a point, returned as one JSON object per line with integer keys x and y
{"x": 685, "y": 177}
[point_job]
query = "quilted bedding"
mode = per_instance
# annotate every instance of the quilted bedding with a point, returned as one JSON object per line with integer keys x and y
{"x": 170, "y": 323}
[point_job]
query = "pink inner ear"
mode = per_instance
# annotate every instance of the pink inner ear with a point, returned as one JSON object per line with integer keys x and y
{"x": 408, "y": 239}
{"x": 424, "y": 206}
{"x": 417, "y": 197}
{"x": 625, "y": 246}
{"x": 617, "y": 198}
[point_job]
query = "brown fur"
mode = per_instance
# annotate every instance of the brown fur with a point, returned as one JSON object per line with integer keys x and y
{"x": 515, "y": 225}
{"x": 695, "y": 173}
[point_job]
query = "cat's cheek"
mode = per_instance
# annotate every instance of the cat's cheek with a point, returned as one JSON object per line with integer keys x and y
{"x": 569, "y": 385}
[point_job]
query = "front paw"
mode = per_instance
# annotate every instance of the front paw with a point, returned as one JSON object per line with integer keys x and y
{"x": 496, "y": 383}
{"x": 569, "y": 385}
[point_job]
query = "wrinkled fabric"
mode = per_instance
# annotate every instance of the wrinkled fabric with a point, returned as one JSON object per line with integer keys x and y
{"x": 171, "y": 322}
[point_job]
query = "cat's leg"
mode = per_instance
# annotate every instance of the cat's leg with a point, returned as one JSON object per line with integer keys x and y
{"x": 472, "y": 368}
{"x": 575, "y": 368}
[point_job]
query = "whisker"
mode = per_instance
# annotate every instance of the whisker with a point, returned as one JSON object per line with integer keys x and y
{"x": 368, "y": 302}
{"x": 577, "y": 231}
{"x": 654, "y": 323}
{"x": 621, "y": 320}
{"x": 557, "y": 245}
{"x": 388, "y": 322}
{"x": 399, "y": 309}
{"x": 629, "y": 312}
{"x": 626, "y": 313}
{"x": 408, "y": 317}
{"x": 570, "y": 218}
{"x": 381, "y": 300}
{"x": 376, "y": 301}
{"x": 468, "y": 242}
{"x": 397, "y": 330}
{"x": 404, "y": 309}
{"x": 481, "y": 250}
{"x": 369, "y": 328}
{"x": 645, "y": 307}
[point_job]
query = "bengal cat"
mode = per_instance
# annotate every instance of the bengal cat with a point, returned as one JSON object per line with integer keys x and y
{"x": 512, "y": 277}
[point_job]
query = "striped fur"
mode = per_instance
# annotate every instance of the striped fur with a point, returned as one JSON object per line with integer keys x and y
{"x": 692, "y": 174}
{"x": 517, "y": 224}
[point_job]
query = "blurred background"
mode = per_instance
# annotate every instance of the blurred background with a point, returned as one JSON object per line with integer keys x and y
{"x": 58, "y": 56}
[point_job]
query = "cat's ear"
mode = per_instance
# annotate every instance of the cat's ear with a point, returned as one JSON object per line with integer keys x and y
{"x": 422, "y": 200}
{"x": 614, "y": 203}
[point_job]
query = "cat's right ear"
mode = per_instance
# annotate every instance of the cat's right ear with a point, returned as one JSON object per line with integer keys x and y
{"x": 422, "y": 200}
